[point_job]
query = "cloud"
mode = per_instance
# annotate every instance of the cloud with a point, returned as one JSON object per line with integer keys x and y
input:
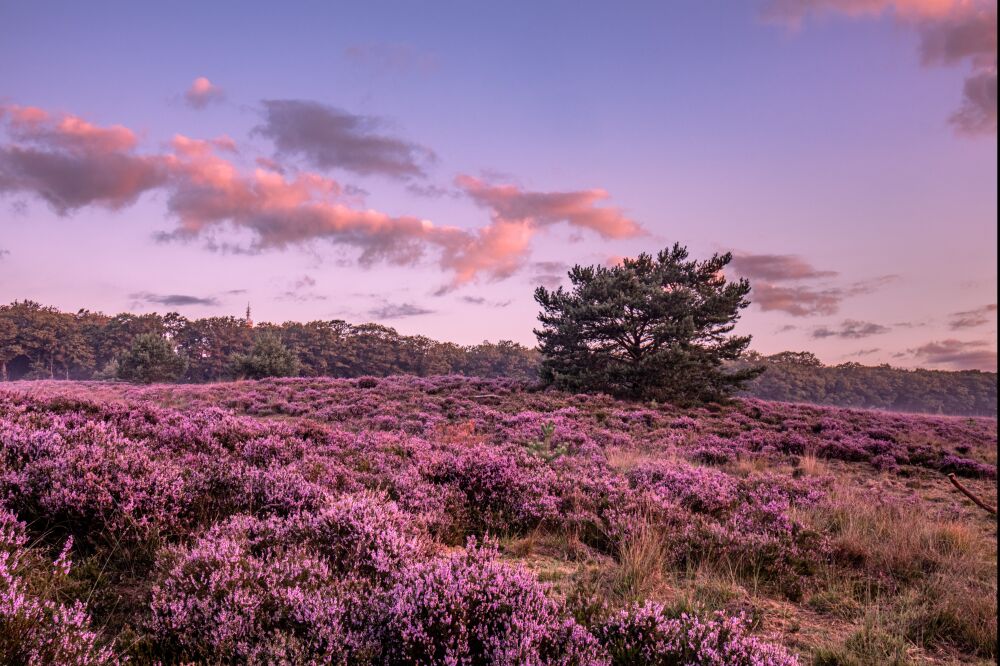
{"x": 958, "y": 354}
{"x": 548, "y": 274}
{"x": 851, "y": 329}
{"x": 328, "y": 138}
{"x": 301, "y": 290}
{"x": 796, "y": 301}
{"x": 172, "y": 299}
{"x": 865, "y": 352}
{"x": 203, "y": 92}
{"x": 776, "y": 267}
{"x": 769, "y": 271}
{"x": 432, "y": 191}
{"x": 4, "y": 253}
{"x": 398, "y": 311}
{"x": 71, "y": 163}
{"x": 978, "y": 112}
{"x": 973, "y": 318}
{"x": 517, "y": 215}
{"x": 951, "y": 32}
{"x": 805, "y": 301}
{"x": 479, "y": 300}
{"x": 207, "y": 191}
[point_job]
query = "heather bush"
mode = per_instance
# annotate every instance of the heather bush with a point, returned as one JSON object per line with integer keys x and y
{"x": 220, "y": 601}
{"x": 34, "y": 628}
{"x": 647, "y": 634}
{"x": 470, "y": 608}
{"x": 503, "y": 491}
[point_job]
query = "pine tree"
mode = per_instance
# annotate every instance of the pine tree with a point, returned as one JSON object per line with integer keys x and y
{"x": 651, "y": 328}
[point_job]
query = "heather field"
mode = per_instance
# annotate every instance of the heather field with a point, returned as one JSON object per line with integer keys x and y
{"x": 449, "y": 520}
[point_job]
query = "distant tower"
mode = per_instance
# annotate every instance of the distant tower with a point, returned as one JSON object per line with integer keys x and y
{"x": 249, "y": 321}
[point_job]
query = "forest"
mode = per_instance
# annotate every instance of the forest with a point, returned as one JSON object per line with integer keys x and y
{"x": 39, "y": 342}
{"x": 801, "y": 377}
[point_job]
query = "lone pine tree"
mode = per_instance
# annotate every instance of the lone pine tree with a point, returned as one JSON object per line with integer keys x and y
{"x": 651, "y": 328}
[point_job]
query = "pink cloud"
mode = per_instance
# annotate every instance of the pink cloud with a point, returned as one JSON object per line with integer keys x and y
{"x": 511, "y": 204}
{"x": 501, "y": 248}
{"x": 958, "y": 354}
{"x": 796, "y": 301}
{"x": 65, "y": 131}
{"x": 203, "y": 92}
{"x": 776, "y": 267}
{"x": 951, "y": 32}
{"x": 72, "y": 163}
{"x": 805, "y": 301}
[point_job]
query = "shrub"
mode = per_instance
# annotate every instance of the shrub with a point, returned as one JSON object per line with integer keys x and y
{"x": 469, "y": 608}
{"x": 647, "y": 634}
{"x": 236, "y": 595}
{"x": 35, "y": 629}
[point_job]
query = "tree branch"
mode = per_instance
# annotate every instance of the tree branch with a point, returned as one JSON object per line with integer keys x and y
{"x": 965, "y": 491}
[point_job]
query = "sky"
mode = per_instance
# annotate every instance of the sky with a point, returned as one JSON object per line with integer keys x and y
{"x": 427, "y": 165}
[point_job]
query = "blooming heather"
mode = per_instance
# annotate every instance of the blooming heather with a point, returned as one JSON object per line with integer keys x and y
{"x": 327, "y": 521}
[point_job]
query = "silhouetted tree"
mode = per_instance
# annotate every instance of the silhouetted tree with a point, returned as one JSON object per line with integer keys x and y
{"x": 651, "y": 328}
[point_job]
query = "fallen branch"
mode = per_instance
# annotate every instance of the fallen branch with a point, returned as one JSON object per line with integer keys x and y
{"x": 968, "y": 493}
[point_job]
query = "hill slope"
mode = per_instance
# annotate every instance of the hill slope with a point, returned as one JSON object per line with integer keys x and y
{"x": 329, "y": 520}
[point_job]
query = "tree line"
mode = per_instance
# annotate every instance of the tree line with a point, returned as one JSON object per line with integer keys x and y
{"x": 38, "y": 342}
{"x": 801, "y": 377}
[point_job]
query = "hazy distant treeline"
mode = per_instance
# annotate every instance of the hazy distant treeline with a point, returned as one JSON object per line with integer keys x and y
{"x": 39, "y": 342}
{"x": 800, "y": 377}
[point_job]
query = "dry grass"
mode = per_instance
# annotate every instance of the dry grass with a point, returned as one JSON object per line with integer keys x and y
{"x": 643, "y": 562}
{"x": 929, "y": 578}
{"x": 811, "y": 465}
{"x": 626, "y": 459}
{"x": 902, "y": 541}
{"x": 906, "y": 583}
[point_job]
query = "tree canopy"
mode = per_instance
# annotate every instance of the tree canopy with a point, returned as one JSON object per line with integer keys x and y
{"x": 651, "y": 328}
{"x": 39, "y": 342}
{"x": 268, "y": 358}
{"x": 150, "y": 358}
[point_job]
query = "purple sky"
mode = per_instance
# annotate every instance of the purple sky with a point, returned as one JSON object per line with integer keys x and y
{"x": 425, "y": 165}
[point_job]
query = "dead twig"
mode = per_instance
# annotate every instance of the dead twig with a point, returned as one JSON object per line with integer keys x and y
{"x": 968, "y": 493}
